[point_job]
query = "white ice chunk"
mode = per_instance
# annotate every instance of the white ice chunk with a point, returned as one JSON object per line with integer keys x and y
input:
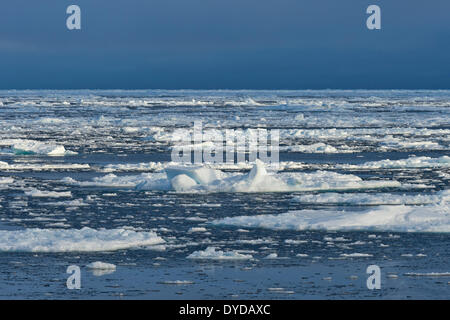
{"x": 35, "y": 193}
{"x": 6, "y": 180}
{"x": 188, "y": 179}
{"x": 21, "y": 146}
{"x": 433, "y": 218}
{"x": 412, "y": 162}
{"x": 319, "y": 147}
{"x": 374, "y": 199}
{"x": 211, "y": 253}
{"x": 101, "y": 266}
{"x": 78, "y": 240}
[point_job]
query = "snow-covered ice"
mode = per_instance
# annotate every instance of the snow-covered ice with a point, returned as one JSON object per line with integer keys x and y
{"x": 374, "y": 198}
{"x": 412, "y": 162}
{"x": 432, "y": 218}
{"x": 213, "y": 253}
{"x": 101, "y": 266}
{"x": 35, "y": 193}
{"x": 24, "y": 147}
{"x": 203, "y": 179}
{"x": 78, "y": 240}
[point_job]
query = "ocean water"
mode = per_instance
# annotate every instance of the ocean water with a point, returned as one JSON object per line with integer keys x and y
{"x": 363, "y": 180}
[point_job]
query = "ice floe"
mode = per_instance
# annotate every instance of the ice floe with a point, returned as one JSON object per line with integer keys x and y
{"x": 42, "y": 166}
{"x": 412, "y": 162}
{"x": 373, "y": 198}
{"x": 153, "y": 181}
{"x": 35, "y": 193}
{"x": 197, "y": 229}
{"x": 356, "y": 255}
{"x": 6, "y": 180}
{"x": 177, "y": 282}
{"x": 432, "y": 218}
{"x": 72, "y": 203}
{"x": 259, "y": 180}
{"x": 213, "y": 253}
{"x": 313, "y": 148}
{"x": 75, "y": 240}
{"x": 203, "y": 179}
{"x": 101, "y": 266}
{"x": 428, "y": 274}
{"x": 24, "y": 147}
{"x": 416, "y": 144}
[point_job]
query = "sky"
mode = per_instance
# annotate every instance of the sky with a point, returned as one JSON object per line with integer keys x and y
{"x": 225, "y": 44}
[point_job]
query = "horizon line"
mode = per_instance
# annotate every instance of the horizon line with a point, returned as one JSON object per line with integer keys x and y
{"x": 228, "y": 89}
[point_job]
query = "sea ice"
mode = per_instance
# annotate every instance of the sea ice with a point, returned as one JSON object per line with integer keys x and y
{"x": 412, "y": 162}
{"x": 23, "y": 147}
{"x": 101, "y": 266}
{"x": 78, "y": 240}
{"x": 6, "y": 180}
{"x": 373, "y": 199}
{"x": 203, "y": 179}
{"x": 35, "y": 193}
{"x": 432, "y": 218}
{"x": 212, "y": 253}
